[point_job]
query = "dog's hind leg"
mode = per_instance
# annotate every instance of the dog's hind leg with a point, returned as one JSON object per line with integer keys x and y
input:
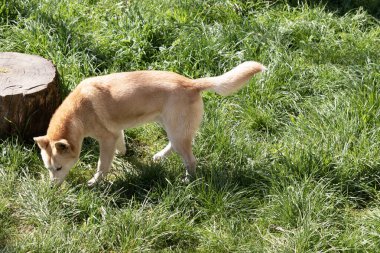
{"x": 183, "y": 147}
{"x": 163, "y": 153}
{"x": 181, "y": 123}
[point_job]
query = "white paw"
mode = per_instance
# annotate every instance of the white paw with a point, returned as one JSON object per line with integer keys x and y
{"x": 186, "y": 180}
{"x": 91, "y": 182}
{"x": 96, "y": 178}
{"x": 121, "y": 151}
{"x": 157, "y": 157}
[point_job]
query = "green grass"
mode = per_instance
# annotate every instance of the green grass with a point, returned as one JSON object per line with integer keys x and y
{"x": 289, "y": 164}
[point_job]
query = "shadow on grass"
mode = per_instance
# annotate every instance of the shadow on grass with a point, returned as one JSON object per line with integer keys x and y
{"x": 148, "y": 181}
{"x": 341, "y": 7}
{"x": 139, "y": 182}
{"x": 136, "y": 178}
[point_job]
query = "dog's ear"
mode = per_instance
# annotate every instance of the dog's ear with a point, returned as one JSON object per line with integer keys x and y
{"x": 42, "y": 141}
{"x": 62, "y": 146}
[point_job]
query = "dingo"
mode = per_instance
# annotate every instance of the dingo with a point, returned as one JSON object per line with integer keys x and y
{"x": 101, "y": 107}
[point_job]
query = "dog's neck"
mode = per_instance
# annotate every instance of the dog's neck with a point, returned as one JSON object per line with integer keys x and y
{"x": 66, "y": 125}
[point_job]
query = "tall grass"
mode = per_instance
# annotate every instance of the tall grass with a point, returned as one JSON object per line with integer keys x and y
{"x": 289, "y": 164}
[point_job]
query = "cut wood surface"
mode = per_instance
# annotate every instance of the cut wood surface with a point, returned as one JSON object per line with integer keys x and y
{"x": 29, "y": 94}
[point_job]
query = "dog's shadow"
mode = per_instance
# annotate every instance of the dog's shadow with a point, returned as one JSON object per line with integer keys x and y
{"x": 138, "y": 179}
{"x": 141, "y": 181}
{"x": 133, "y": 177}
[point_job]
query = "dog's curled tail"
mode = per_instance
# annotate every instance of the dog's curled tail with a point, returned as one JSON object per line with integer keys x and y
{"x": 231, "y": 81}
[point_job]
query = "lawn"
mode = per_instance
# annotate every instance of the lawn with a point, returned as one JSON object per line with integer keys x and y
{"x": 291, "y": 163}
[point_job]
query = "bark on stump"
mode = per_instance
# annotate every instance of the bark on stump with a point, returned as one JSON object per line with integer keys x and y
{"x": 29, "y": 94}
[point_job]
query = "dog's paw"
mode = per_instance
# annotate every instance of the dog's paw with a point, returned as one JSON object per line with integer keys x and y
{"x": 92, "y": 182}
{"x": 158, "y": 157}
{"x": 121, "y": 151}
{"x": 187, "y": 179}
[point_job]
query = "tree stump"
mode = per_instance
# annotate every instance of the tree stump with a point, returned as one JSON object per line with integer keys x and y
{"x": 29, "y": 94}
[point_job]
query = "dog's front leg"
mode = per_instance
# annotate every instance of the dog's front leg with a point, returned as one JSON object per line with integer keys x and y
{"x": 107, "y": 148}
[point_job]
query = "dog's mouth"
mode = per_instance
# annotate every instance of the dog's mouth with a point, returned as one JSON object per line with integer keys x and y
{"x": 55, "y": 182}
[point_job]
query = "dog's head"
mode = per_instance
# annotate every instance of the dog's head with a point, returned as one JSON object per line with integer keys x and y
{"x": 58, "y": 156}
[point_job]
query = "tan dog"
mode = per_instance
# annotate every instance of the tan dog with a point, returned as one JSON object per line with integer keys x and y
{"x": 101, "y": 107}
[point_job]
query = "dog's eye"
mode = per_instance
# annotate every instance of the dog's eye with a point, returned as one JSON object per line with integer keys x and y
{"x": 59, "y": 168}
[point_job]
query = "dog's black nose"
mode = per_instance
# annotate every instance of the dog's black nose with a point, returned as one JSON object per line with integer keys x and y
{"x": 59, "y": 168}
